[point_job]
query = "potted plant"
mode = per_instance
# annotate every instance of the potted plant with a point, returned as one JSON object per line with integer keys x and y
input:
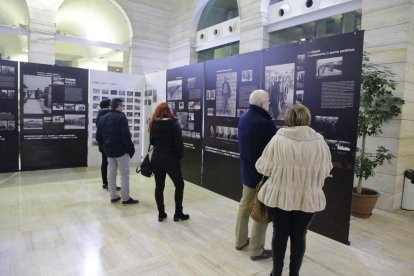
{"x": 377, "y": 106}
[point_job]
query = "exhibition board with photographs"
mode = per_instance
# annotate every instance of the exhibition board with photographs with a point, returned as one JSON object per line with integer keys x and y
{"x": 8, "y": 116}
{"x": 185, "y": 86}
{"x": 325, "y": 76}
{"x": 109, "y": 85}
{"x": 228, "y": 84}
{"x": 53, "y": 106}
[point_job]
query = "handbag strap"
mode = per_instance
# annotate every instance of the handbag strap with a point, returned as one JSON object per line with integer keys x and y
{"x": 150, "y": 148}
{"x": 261, "y": 183}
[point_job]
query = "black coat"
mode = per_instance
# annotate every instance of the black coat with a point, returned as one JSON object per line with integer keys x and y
{"x": 168, "y": 144}
{"x": 113, "y": 135}
{"x": 255, "y": 130}
{"x": 101, "y": 113}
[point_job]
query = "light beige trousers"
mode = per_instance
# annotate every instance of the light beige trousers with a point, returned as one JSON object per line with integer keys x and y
{"x": 258, "y": 234}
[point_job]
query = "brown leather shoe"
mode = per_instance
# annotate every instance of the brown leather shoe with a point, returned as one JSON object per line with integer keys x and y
{"x": 266, "y": 254}
{"x": 244, "y": 245}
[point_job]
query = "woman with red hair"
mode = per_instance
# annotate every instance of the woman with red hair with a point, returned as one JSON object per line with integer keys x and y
{"x": 165, "y": 136}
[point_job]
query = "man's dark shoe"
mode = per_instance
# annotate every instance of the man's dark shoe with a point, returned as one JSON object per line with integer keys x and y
{"x": 130, "y": 201}
{"x": 162, "y": 216}
{"x": 265, "y": 255}
{"x": 113, "y": 200}
{"x": 244, "y": 245}
{"x": 178, "y": 217}
{"x": 105, "y": 187}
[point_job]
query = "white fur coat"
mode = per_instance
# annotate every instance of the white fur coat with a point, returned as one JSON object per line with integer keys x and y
{"x": 297, "y": 161}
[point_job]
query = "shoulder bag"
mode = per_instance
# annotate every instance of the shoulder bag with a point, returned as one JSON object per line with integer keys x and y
{"x": 145, "y": 167}
{"x": 259, "y": 211}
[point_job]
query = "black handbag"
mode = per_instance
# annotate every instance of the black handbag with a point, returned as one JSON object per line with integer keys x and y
{"x": 145, "y": 167}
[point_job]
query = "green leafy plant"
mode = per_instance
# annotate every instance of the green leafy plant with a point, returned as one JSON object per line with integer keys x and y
{"x": 377, "y": 106}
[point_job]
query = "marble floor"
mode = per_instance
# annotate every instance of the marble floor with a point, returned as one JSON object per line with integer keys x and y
{"x": 60, "y": 222}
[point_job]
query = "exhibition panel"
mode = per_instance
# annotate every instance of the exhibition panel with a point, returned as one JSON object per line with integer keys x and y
{"x": 185, "y": 86}
{"x": 332, "y": 70}
{"x": 229, "y": 82}
{"x": 8, "y": 117}
{"x": 53, "y": 119}
{"x": 109, "y": 85}
{"x": 325, "y": 76}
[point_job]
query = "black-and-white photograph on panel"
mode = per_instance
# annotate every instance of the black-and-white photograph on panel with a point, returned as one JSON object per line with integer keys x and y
{"x": 75, "y": 121}
{"x": 175, "y": 90}
{"x": 9, "y": 151}
{"x": 279, "y": 82}
{"x": 37, "y": 94}
{"x": 327, "y": 67}
{"x": 191, "y": 83}
{"x": 247, "y": 75}
{"x": 182, "y": 118}
{"x": 226, "y": 93}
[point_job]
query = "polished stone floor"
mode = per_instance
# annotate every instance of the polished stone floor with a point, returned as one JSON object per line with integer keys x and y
{"x": 60, "y": 222}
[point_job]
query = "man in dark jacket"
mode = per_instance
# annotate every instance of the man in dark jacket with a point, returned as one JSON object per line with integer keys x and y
{"x": 114, "y": 139}
{"x": 104, "y": 105}
{"x": 255, "y": 130}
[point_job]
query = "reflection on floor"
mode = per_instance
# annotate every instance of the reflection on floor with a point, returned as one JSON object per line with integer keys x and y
{"x": 60, "y": 222}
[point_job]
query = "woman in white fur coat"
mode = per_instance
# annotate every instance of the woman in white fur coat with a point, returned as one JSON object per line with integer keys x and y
{"x": 297, "y": 161}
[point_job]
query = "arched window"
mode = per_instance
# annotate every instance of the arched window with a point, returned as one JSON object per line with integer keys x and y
{"x": 271, "y": 2}
{"x": 217, "y": 11}
{"x": 217, "y": 40}
{"x": 14, "y": 19}
{"x": 94, "y": 35}
{"x": 292, "y": 21}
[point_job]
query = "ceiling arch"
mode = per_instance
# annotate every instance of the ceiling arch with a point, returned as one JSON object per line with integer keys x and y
{"x": 14, "y": 13}
{"x": 96, "y": 20}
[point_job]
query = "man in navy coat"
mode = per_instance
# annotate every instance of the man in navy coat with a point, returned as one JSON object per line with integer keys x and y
{"x": 255, "y": 130}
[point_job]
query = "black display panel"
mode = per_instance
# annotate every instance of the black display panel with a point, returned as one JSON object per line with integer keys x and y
{"x": 185, "y": 88}
{"x": 9, "y": 153}
{"x": 228, "y": 84}
{"x": 324, "y": 75}
{"x": 53, "y": 106}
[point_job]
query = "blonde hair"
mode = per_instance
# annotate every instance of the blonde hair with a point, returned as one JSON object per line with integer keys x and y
{"x": 298, "y": 115}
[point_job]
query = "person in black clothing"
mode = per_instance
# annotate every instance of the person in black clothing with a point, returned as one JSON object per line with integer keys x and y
{"x": 165, "y": 136}
{"x": 114, "y": 138}
{"x": 104, "y": 105}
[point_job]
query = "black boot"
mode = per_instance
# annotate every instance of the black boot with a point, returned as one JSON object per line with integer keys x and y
{"x": 161, "y": 213}
{"x": 162, "y": 216}
{"x": 179, "y": 215}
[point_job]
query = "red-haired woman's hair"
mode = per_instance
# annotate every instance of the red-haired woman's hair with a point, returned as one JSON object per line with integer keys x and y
{"x": 161, "y": 112}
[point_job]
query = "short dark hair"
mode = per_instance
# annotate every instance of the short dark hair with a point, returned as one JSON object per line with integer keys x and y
{"x": 115, "y": 103}
{"x": 105, "y": 103}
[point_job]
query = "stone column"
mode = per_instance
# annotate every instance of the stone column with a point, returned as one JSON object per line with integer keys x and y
{"x": 253, "y": 36}
{"x": 151, "y": 26}
{"x": 389, "y": 39}
{"x": 42, "y": 28}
